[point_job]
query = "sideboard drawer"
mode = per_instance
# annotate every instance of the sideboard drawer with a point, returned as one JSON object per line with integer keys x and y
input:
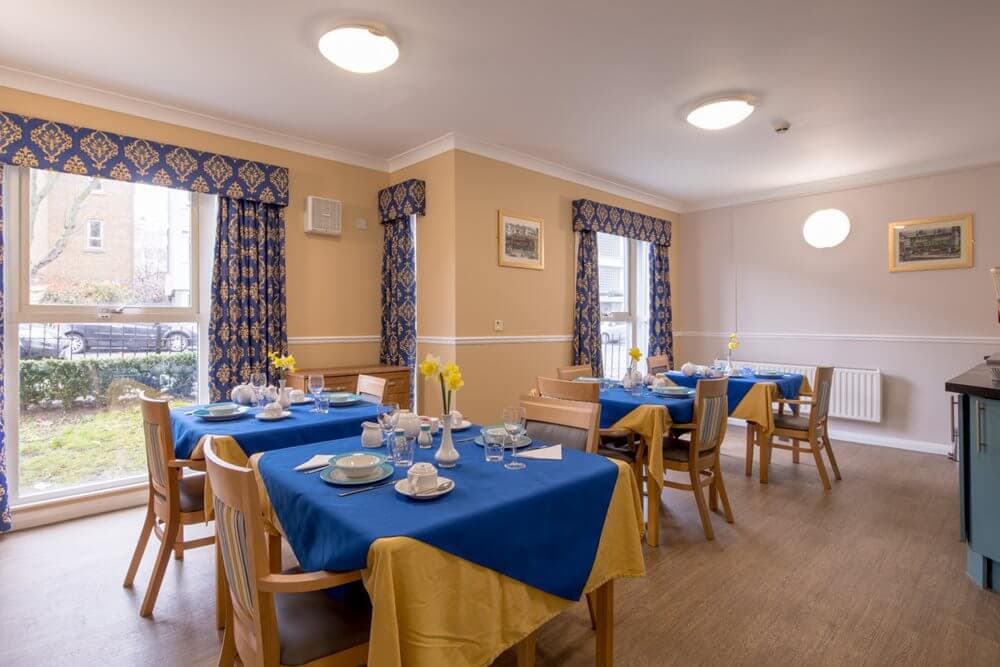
{"x": 397, "y": 385}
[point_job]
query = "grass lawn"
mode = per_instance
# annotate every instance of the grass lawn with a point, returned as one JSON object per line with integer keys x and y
{"x": 65, "y": 448}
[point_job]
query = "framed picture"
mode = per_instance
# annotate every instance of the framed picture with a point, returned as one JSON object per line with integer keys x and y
{"x": 944, "y": 242}
{"x": 521, "y": 241}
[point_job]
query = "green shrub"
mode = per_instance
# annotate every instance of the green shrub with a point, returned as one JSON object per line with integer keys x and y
{"x": 66, "y": 380}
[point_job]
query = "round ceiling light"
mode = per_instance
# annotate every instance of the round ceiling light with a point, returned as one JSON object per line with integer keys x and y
{"x": 720, "y": 113}
{"x": 360, "y": 48}
{"x": 826, "y": 228}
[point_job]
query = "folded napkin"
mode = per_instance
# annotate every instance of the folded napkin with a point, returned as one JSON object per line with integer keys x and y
{"x": 318, "y": 461}
{"x": 553, "y": 453}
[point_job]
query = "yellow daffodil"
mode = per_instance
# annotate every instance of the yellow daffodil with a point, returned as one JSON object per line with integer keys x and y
{"x": 733, "y": 342}
{"x": 430, "y": 366}
{"x": 635, "y": 353}
{"x": 454, "y": 381}
{"x": 450, "y": 368}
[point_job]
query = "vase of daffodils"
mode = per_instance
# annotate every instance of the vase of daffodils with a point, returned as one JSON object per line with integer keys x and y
{"x": 282, "y": 364}
{"x": 449, "y": 377}
{"x": 633, "y": 378}
{"x": 730, "y": 348}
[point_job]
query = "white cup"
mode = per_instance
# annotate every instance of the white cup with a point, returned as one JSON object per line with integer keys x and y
{"x": 434, "y": 423}
{"x": 422, "y": 477}
{"x": 456, "y": 419}
{"x": 297, "y": 395}
{"x": 273, "y": 409}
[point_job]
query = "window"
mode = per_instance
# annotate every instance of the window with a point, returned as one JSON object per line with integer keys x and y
{"x": 96, "y": 318}
{"x": 623, "y": 275}
{"x": 95, "y": 234}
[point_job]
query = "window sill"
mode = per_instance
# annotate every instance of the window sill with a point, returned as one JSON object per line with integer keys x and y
{"x": 44, "y": 512}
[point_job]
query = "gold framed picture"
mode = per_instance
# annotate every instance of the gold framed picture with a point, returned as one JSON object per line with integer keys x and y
{"x": 521, "y": 241}
{"x": 944, "y": 242}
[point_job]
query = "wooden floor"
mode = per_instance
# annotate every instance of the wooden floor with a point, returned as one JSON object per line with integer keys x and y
{"x": 871, "y": 573}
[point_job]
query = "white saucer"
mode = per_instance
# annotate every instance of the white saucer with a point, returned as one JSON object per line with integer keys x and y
{"x": 264, "y": 418}
{"x": 461, "y": 427}
{"x": 403, "y": 488}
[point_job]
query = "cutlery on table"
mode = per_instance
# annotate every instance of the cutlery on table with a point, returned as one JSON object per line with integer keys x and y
{"x": 443, "y": 486}
{"x": 367, "y": 488}
{"x": 312, "y": 470}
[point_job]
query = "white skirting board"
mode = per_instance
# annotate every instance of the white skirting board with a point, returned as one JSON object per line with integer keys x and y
{"x": 923, "y": 446}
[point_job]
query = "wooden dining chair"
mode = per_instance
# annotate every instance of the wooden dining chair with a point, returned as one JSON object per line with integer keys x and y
{"x": 569, "y": 423}
{"x": 658, "y": 363}
{"x": 175, "y": 499}
{"x": 698, "y": 454}
{"x": 616, "y": 443}
{"x": 371, "y": 388}
{"x": 574, "y": 372}
{"x": 279, "y": 619}
{"x": 798, "y": 429}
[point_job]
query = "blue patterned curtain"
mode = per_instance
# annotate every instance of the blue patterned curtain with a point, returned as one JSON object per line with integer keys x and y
{"x": 587, "y": 311}
{"x": 402, "y": 200}
{"x": 248, "y": 317}
{"x": 399, "y": 294}
{"x": 661, "y": 336}
{"x": 4, "y": 500}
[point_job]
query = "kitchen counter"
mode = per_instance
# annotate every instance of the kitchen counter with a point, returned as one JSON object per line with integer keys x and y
{"x": 977, "y": 381}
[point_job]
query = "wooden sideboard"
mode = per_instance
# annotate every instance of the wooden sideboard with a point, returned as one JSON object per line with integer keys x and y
{"x": 345, "y": 378}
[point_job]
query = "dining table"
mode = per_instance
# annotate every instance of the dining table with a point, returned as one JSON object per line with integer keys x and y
{"x": 652, "y": 415}
{"x": 462, "y": 577}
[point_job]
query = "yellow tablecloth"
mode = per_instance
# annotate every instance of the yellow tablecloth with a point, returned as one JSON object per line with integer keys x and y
{"x": 430, "y": 608}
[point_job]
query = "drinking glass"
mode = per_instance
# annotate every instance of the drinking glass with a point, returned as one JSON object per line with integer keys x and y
{"x": 322, "y": 404}
{"x": 258, "y": 381}
{"x": 403, "y": 447}
{"x": 513, "y": 423}
{"x": 316, "y": 383}
{"x": 493, "y": 446}
{"x": 388, "y": 417}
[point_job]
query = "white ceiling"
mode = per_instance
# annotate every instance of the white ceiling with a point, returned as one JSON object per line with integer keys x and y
{"x": 597, "y": 86}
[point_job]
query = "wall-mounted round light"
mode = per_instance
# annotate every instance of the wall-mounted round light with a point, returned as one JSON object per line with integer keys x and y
{"x": 360, "y": 48}
{"x": 826, "y": 228}
{"x": 721, "y": 112}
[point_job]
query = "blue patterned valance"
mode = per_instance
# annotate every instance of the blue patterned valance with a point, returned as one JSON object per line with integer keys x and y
{"x": 401, "y": 200}
{"x": 44, "y": 144}
{"x": 593, "y": 216}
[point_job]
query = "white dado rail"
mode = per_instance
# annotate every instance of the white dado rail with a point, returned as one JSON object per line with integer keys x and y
{"x": 435, "y": 340}
{"x": 850, "y": 337}
{"x": 856, "y": 393}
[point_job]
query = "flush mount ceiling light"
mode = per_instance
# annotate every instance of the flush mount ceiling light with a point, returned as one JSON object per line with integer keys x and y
{"x": 826, "y": 228}
{"x": 721, "y": 112}
{"x": 359, "y": 47}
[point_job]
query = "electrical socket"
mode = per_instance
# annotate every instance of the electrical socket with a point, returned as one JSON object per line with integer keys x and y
{"x": 498, "y": 325}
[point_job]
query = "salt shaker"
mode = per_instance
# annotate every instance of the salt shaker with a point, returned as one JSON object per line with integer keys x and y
{"x": 424, "y": 438}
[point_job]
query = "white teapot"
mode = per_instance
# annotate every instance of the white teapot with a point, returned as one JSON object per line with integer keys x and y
{"x": 410, "y": 423}
{"x": 689, "y": 369}
{"x": 243, "y": 394}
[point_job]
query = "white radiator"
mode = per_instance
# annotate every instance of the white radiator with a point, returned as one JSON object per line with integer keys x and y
{"x": 856, "y": 393}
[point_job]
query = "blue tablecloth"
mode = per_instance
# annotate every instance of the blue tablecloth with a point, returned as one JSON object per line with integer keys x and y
{"x": 789, "y": 385}
{"x": 256, "y": 436}
{"x": 616, "y": 403}
{"x": 540, "y": 525}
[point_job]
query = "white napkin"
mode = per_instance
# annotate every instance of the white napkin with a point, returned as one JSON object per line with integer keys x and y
{"x": 318, "y": 461}
{"x": 553, "y": 453}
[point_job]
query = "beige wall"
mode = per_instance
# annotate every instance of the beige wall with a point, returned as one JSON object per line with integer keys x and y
{"x": 531, "y": 303}
{"x": 333, "y": 283}
{"x": 748, "y": 269}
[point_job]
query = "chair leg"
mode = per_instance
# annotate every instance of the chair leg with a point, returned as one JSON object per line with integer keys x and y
{"x": 751, "y": 434}
{"x": 179, "y": 543}
{"x": 653, "y": 492}
{"x": 162, "y": 556}
{"x": 604, "y": 600}
{"x": 765, "y": 457}
{"x": 829, "y": 452}
{"x": 140, "y": 547}
{"x": 699, "y": 497}
{"x": 721, "y": 487}
{"x": 221, "y": 589}
{"x": 590, "y": 608}
{"x": 525, "y": 651}
{"x": 796, "y": 450}
{"x": 227, "y": 654}
{"x": 820, "y": 466}
{"x": 713, "y": 495}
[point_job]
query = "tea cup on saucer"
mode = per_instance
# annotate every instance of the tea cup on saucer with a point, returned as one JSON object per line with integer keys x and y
{"x": 273, "y": 409}
{"x": 297, "y": 395}
{"x": 422, "y": 477}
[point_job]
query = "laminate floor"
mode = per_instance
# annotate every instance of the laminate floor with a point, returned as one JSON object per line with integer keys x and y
{"x": 870, "y": 573}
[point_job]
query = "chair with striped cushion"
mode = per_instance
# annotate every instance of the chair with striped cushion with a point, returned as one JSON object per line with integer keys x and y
{"x": 279, "y": 619}
{"x": 698, "y": 455}
{"x": 175, "y": 500}
{"x": 811, "y": 429}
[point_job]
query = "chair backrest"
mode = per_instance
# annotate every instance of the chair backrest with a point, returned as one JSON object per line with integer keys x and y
{"x": 159, "y": 444}
{"x": 585, "y": 392}
{"x": 658, "y": 363}
{"x": 711, "y": 411}
{"x": 240, "y": 535}
{"x": 824, "y": 382}
{"x": 371, "y": 388}
{"x": 574, "y": 372}
{"x": 569, "y": 423}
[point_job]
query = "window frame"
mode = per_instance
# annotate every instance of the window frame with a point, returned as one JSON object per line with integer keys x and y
{"x": 637, "y": 322}
{"x": 18, "y": 310}
{"x": 91, "y": 237}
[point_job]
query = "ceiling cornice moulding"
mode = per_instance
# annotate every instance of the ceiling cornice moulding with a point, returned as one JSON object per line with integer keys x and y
{"x": 82, "y": 94}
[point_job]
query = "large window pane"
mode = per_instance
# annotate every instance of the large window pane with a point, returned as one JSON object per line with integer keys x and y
{"x": 612, "y": 262}
{"x": 79, "y": 389}
{"x": 103, "y": 242}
